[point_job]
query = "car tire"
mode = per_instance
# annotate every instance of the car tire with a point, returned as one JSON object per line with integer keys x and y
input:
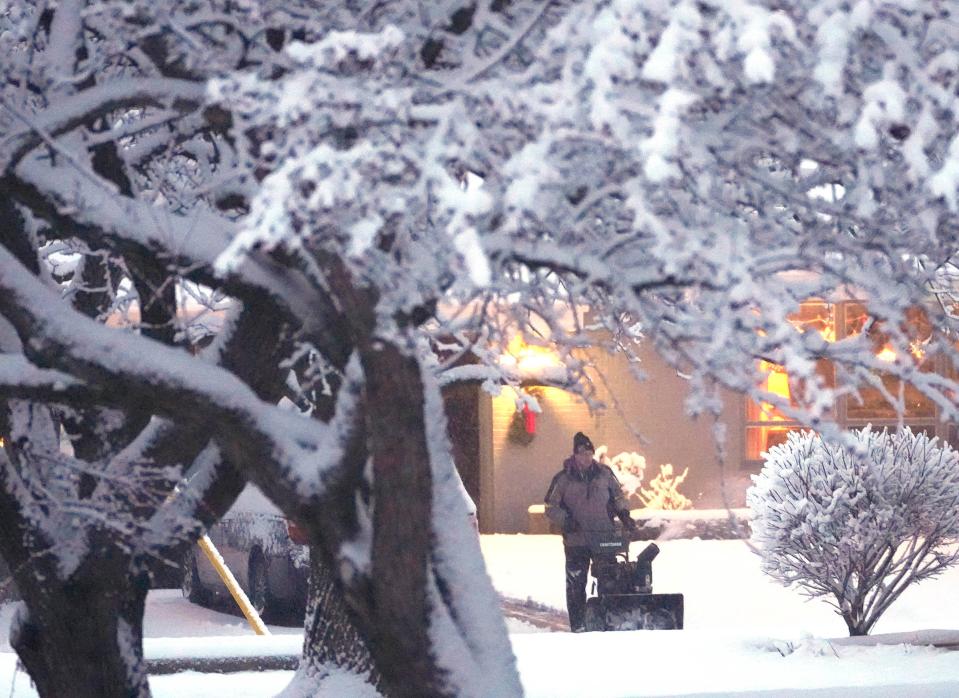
{"x": 260, "y": 597}
{"x": 190, "y": 584}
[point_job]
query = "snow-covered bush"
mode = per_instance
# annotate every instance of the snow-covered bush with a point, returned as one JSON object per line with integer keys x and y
{"x": 857, "y": 522}
{"x": 629, "y": 467}
{"x": 663, "y": 491}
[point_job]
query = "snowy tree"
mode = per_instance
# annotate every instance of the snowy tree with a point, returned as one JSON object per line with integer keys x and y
{"x": 857, "y": 522}
{"x": 376, "y": 191}
{"x": 93, "y": 514}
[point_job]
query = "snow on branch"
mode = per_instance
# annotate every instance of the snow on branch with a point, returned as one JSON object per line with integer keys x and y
{"x": 71, "y": 112}
{"x": 467, "y": 631}
{"x": 298, "y": 447}
{"x": 19, "y": 378}
{"x": 192, "y": 240}
{"x": 180, "y": 516}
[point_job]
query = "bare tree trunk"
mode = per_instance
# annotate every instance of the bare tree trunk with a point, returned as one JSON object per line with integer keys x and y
{"x": 402, "y": 525}
{"x": 376, "y": 621}
{"x": 400, "y": 603}
{"x": 855, "y": 616}
{"x": 84, "y": 637}
{"x": 855, "y": 625}
{"x": 330, "y": 637}
{"x": 389, "y": 601}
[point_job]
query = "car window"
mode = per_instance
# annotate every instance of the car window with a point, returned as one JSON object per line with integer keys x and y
{"x": 252, "y": 501}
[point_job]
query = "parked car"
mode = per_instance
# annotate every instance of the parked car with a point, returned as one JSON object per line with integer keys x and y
{"x": 265, "y": 551}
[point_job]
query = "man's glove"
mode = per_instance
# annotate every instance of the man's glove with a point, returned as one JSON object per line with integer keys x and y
{"x": 629, "y": 523}
{"x": 570, "y": 525}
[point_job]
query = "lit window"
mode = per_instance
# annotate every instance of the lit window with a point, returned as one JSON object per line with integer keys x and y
{"x": 873, "y": 404}
{"x": 766, "y": 426}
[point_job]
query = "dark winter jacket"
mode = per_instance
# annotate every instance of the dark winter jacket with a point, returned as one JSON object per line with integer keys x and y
{"x": 582, "y": 503}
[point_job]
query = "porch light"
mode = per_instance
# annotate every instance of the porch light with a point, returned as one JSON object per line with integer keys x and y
{"x": 530, "y": 359}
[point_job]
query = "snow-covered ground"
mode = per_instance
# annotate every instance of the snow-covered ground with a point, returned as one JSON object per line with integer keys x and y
{"x": 724, "y": 589}
{"x": 744, "y": 635}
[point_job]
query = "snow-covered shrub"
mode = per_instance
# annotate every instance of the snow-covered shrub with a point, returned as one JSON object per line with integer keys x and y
{"x": 856, "y": 522}
{"x": 663, "y": 491}
{"x": 629, "y": 466}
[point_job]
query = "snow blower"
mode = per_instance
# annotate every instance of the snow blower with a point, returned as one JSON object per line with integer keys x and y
{"x": 624, "y": 598}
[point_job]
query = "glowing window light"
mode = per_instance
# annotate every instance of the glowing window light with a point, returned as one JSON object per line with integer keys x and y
{"x": 777, "y": 383}
{"x": 887, "y": 354}
{"x": 766, "y": 426}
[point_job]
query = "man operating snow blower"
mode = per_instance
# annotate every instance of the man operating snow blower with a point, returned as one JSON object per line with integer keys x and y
{"x": 584, "y": 499}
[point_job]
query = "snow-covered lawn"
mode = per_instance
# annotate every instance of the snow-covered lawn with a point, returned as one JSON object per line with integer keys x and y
{"x": 744, "y": 635}
{"x": 724, "y": 589}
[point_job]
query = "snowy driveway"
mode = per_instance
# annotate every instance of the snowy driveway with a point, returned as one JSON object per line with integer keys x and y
{"x": 745, "y": 636}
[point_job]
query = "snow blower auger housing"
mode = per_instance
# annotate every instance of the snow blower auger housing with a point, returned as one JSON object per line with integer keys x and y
{"x": 624, "y": 598}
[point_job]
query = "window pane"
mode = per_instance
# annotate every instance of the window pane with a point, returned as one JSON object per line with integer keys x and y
{"x": 761, "y": 438}
{"x": 873, "y": 405}
{"x": 916, "y": 326}
{"x": 779, "y": 383}
{"x": 816, "y": 315}
{"x": 952, "y": 435}
{"x": 856, "y": 317}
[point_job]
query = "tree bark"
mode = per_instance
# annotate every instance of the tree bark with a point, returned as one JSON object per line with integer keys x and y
{"x": 389, "y": 601}
{"x": 83, "y": 638}
{"x": 330, "y": 638}
{"x": 402, "y": 525}
{"x": 79, "y": 631}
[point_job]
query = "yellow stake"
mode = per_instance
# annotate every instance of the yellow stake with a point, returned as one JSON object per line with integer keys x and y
{"x": 252, "y": 617}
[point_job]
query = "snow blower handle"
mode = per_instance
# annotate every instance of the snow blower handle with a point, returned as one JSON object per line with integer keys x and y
{"x": 631, "y": 534}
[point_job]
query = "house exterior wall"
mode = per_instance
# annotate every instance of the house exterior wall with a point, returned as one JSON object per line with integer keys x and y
{"x": 516, "y": 476}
